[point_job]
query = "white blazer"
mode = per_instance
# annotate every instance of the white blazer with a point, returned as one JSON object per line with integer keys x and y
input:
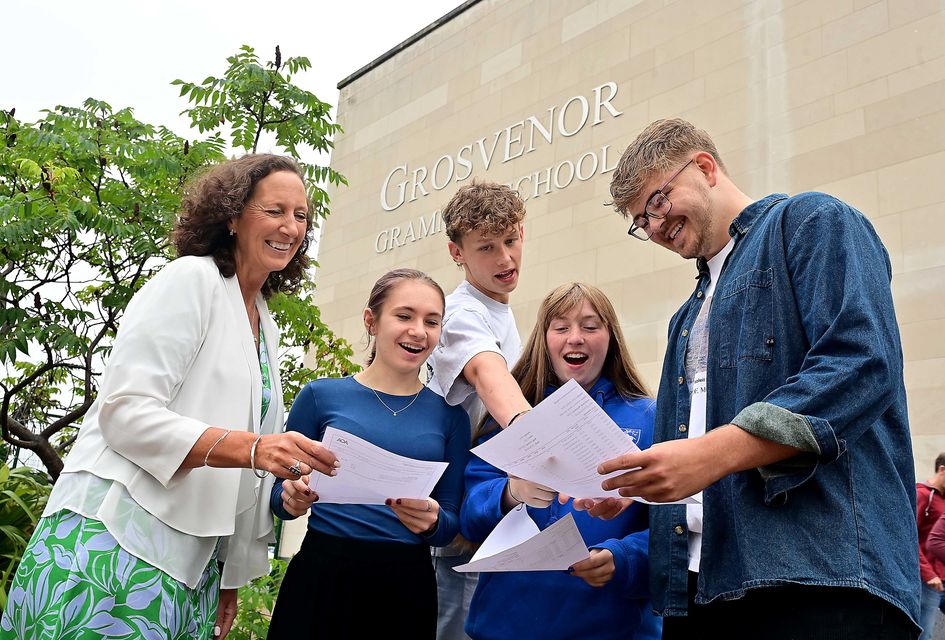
{"x": 184, "y": 360}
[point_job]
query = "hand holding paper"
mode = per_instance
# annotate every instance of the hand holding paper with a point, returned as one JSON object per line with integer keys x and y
{"x": 598, "y": 569}
{"x": 370, "y": 475}
{"x": 516, "y": 544}
{"x": 560, "y": 443}
{"x": 530, "y": 493}
{"x": 418, "y": 516}
{"x": 665, "y": 471}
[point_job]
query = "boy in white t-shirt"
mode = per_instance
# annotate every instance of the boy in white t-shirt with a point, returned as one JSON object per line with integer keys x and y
{"x": 478, "y": 345}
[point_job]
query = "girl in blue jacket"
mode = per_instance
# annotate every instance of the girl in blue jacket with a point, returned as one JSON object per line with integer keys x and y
{"x": 576, "y": 335}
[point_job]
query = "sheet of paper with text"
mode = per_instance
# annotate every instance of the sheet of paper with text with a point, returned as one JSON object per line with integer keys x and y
{"x": 559, "y": 444}
{"x": 516, "y": 544}
{"x": 369, "y": 474}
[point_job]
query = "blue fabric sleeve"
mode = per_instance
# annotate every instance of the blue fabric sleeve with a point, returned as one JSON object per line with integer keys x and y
{"x": 449, "y": 490}
{"x": 482, "y": 507}
{"x": 840, "y": 274}
{"x": 302, "y": 418}
{"x": 632, "y": 563}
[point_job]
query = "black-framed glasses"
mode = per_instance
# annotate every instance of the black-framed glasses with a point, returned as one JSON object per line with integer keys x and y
{"x": 657, "y": 207}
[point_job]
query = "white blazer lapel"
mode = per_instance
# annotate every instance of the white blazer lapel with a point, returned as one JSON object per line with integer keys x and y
{"x": 241, "y": 322}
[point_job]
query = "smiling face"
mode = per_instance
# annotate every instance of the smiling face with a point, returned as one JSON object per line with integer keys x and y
{"x": 491, "y": 263}
{"x": 577, "y": 345}
{"x": 407, "y": 326}
{"x": 271, "y": 227}
{"x": 691, "y": 228}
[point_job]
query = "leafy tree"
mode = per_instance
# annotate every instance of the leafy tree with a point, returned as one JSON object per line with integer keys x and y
{"x": 256, "y": 602}
{"x": 22, "y": 499}
{"x": 253, "y": 99}
{"x": 87, "y": 199}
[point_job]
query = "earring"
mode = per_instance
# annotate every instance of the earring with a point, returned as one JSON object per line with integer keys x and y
{"x": 232, "y": 233}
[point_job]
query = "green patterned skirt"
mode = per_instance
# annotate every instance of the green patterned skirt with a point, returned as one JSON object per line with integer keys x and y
{"x": 75, "y": 583}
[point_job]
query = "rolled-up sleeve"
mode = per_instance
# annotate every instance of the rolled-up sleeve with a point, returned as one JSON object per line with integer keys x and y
{"x": 840, "y": 275}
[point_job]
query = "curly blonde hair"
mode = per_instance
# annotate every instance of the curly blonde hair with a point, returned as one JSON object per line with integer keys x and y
{"x": 488, "y": 207}
{"x": 663, "y": 144}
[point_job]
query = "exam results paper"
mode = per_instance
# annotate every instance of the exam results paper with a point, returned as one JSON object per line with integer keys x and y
{"x": 369, "y": 474}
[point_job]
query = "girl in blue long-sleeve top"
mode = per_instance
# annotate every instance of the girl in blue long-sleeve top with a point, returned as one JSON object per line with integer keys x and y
{"x": 606, "y": 596}
{"x": 364, "y": 571}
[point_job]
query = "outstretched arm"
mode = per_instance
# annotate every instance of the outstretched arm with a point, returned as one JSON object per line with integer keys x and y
{"x": 489, "y": 374}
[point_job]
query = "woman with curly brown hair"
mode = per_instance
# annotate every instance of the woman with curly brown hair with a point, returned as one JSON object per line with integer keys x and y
{"x": 161, "y": 511}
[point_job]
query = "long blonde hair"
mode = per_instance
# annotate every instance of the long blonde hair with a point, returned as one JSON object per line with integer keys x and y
{"x": 534, "y": 371}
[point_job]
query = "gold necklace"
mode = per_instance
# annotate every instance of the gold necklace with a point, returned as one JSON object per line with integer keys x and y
{"x": 399, "y": 410}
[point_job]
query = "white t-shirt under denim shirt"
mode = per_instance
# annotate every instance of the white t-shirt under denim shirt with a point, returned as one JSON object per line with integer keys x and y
{"x": 473, "y": 323}
{"x": 697, "y": 352}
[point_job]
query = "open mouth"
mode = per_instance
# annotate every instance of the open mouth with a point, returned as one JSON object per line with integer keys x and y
{"x": 505, "y": 276}
{"x": 279, "y": 246}
{"x": 575, "y": 358}
{"x": 676, "y": 230}
{"x": 410, "y": 348}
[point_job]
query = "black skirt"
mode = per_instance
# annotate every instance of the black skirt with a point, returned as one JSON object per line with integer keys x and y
{"x": 341, "y": 588}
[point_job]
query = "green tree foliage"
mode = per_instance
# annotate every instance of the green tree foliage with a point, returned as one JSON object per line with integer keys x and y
{"x": 23, "y": 493}
{"x": 251, "y": 100}
{"x": 254, "y": 98}
{"x": 87, "y": 199}
{"x": 256, "y": 602}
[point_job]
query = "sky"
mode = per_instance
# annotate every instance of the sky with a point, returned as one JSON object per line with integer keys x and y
{"x": 126, "y": 52}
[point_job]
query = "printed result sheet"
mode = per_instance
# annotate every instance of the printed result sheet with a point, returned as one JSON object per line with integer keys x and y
{"x": 370, "y": 474}
{"x": 516, "y": 544}
{"x": 559, "y": 444}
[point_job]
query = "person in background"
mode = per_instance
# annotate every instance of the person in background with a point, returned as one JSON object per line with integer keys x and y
{"x": 935, "y": 543}
{"x": 930, "y": 506}
{"x": 155, "y": 521}
{"x": 605, "y": 597}
{"x": 364, "y": 570}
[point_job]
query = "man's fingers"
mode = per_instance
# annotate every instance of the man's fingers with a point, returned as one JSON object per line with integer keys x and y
{"x": 628, "y": 479}
{"x": 625, "y": 462}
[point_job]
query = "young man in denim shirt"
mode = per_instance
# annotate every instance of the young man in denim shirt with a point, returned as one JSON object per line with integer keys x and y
{"x": 781, "y": 400}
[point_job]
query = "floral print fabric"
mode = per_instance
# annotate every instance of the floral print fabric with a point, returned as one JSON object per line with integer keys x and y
{"x": 76, "y": 583}
{"x": 266, "y": 380}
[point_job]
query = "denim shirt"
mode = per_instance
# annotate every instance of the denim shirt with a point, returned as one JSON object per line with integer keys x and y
{"x": 804, "y": 350}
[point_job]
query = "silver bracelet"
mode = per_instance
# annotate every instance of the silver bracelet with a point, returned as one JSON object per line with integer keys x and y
{"x": 252, "y": 459}
{"x": 206, "y": 458}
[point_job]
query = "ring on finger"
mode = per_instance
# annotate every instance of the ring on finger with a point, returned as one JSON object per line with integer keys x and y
{"x": 429, "y": 505}
{"x": 296, "y": 469}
